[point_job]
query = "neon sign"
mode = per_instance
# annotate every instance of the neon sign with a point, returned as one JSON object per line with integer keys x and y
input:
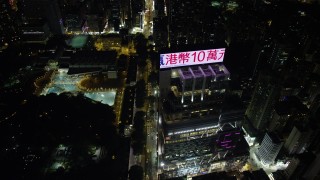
{"x": 189, "y": 58}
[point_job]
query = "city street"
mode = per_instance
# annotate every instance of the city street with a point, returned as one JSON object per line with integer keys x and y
{"x": 151, "y": 143}
{"x": 148, "y": 18}
{"x": 148, "y": 160}
{"x": 151, "y": 127}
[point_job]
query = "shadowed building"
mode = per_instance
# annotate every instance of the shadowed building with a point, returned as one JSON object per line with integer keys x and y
{"x": 286, "y": 113}
{"x": 264, "y": 97}
{"x": 48, "y": 10}
{"x": 298, "y": 140}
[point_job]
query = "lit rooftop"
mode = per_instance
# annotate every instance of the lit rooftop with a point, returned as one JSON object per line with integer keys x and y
{"x": 207, "y": 72}
{"x": 197, "y": 73}
{"x": 186, "y": 74}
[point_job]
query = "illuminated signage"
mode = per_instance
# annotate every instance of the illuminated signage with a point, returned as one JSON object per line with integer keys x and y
{"x": 189, "y": 58}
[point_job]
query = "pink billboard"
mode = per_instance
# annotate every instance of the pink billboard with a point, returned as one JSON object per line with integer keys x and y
{"x": 189, "y": 58}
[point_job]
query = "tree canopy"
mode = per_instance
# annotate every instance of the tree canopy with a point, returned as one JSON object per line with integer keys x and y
{"x": 138, "y": 134}
{"x": 44, "y": 124}
{"x": 140, "y": 93}
{"x": 136, "y": 172}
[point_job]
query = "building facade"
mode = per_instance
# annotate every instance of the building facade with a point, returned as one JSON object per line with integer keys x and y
{"x": 264, "y": 97}
{"x": 269, "y": 148}
{"x": 200, "y": 131}
{"x": 48, "y": 10}
{"x": 298, "y": 140}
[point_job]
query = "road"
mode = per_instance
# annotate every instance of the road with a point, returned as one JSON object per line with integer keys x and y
{"x": 150, "y": 164}
{"x": 151, "y": 142}
{"x": 152, "y": 118}
{"x": 148, "y": 18}
{"x": 148, "y": 160}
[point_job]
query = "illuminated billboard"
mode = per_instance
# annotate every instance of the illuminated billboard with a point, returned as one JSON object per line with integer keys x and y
{"x": 189, "y": 58}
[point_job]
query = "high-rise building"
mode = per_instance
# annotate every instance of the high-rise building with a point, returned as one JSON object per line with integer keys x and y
{"x": 36, "y": 32}
{"x": 313, "y": 171}
{"x": 8, "y": 27}
{"x": 294, "y": 162}
{"x": 226, "y": 151}
{"x": 287, "y": 113}
{"x": 298, "y": 140}
{"x": 264, "y": 97}
{"x": 314, "y": 117}
{"x": 289, "y": 87}
{"x": 299, "y": 165}
{"x": 160, "y": 32}
{"x": 137, "y": 7}
{"x": 194, "y": 99}
{"x": 279, "y": 54}
{"x": 115, "y": 15}
{"x": 191, "y": 22}
{"x": 48, "y": 10}
{"x": 159, "y": 7}
{"x": 269, "y": 148}
{"x": 125, "y": 13}
{"x": 195, "y": 114}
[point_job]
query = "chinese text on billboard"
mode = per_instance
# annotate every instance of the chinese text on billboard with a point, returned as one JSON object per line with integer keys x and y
{"x": 189, "y": 58}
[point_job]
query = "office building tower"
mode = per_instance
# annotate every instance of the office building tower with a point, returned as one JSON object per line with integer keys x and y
{"x": 193, "y": 100}
{"x": 226, "y": 151}
{"x": 35, "y": 32}
{"x": 264, "y": 97}
{"x": 195, "y": 114}
{"x": 279, "y": 54}
{"x": 47, "y": 10}
{"x": 137, "y": 8}
{"x": 287, "y": 113}
{"x": 160, "y": 32}
{"x": 299, "y": 165}
{"x": 125, "y": 13}
{"x": 191, "y": 22}
{"x": 73, "y": 23}
{"x": 298, "y": 140}
{"x": 314, "y": 118}
{"x": 315, "y": 107}
{"x": 269, "y": 148}
{"x": 290, "y": 87}
{"x": 293, "y": 164}
{"x": 8, "y": 27}
{"x": 114, "y": 19}
{"x": 159, "y": 6}
{"x": 313, "y": 171}
{"x": 314, "y": 87}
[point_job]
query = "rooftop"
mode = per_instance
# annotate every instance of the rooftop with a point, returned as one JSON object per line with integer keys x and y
{"x": 197, "y": 73}
{"x": 186, "y": 74}
{"x": 192, "y": 124}
{"x": 230, "y": 140}
{"x": 291, "y": 104}
{"x": 207, "y": 72}
{"x": 274, "y": 137}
